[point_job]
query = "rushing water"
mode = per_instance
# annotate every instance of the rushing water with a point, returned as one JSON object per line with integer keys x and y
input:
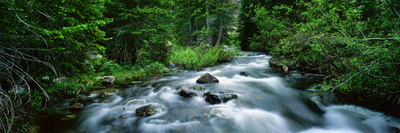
{"x": 266, "y": 103}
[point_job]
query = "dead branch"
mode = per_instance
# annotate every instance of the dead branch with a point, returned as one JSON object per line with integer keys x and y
{"x": 378, "y": 39}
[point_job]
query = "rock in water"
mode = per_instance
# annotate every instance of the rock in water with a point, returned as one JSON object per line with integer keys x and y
{"x": 219, "y": 97}
{"x": 207, "y": 79}
{"x": 83, "y": 99}
{"x": 212, "y": 98}
{"x": 150, "y": 109}
{"x": 186, "y": 93}
{"x": 147, "y": 110}
{"x": 285, "y": 69}
{"x": 76, "y": 106}
{"x": 244, "y": 74}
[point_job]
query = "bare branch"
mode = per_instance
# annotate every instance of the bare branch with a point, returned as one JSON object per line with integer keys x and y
{"x": 378, "y": 39}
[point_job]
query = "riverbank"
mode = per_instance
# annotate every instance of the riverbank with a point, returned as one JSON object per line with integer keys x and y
{"x": 383, "y": 101}
{"x": 254, "y": 98}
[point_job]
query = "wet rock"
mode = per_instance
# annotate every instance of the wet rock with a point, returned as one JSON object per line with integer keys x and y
{"x": 285, "y": 69}
{"x": 157, "y": 87}
{"x": 219, "y": 97}
{"x": 212, "y": 98}
{"x": 149, "y": 110}
{"x": 244, "y": 74}
{"x": 166, "y": 70}
{"x": 394, "y": 129}
{"x": 186, "y": 93}
{"x": 136, "y": 82}
{"x": 107, "y": 80}
{"x": 197, "y": 88}
{"x": 206, "y": 79}
{"x": 275, "y": 62}
{"x": 136, "y": 102}
{"x": 76, "y": 106}
{"x": 227, "y": 97}
{"x": 83, "y": 99}
{"x": 108, "y": 92}
{"x": 279, "y": 62}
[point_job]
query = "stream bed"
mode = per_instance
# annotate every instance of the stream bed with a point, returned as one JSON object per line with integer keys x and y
{"x": 261, "y": 101}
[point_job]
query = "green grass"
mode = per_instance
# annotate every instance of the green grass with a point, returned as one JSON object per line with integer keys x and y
{"x": 201, "y": 56}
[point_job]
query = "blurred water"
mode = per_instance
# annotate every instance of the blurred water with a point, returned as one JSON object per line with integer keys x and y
{"x": 267, "y": 102}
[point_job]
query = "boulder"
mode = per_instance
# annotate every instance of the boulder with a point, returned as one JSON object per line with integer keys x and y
{"x": 186, "y": 93}
{"x": 285, "y": 69}
{"x": 197, "y": 88}
{"x": 275, "y": 61}
{"x": 83, "y": 99}
{"x": 212, "y": 98}
{"x": 136, "y": 102}
{"x": 227, "y": 97}
{"x": 108, "y": 92}
{"x": 219, "y": 97}
{"x": 244, "y": 74}
{"x": 147, "y": 110}
{"x": 279, "y": 62}
{"x": 207, "y": 79}
{"x": 76, "y": 106}
{"x": 150, "y": 109}
{"x": 107, "y": 80}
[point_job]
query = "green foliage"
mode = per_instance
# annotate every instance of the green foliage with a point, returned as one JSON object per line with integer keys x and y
{"x": 199, "y": 57}
{"x": 355, "y": 43}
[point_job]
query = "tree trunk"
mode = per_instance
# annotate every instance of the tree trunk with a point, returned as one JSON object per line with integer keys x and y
{"x": 221, "y": 25}
{"x": 209, "y": 37}
{"x": 190, "y": 24}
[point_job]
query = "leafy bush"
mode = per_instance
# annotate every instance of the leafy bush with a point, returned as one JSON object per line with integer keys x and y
{"x": 202, "y": 56}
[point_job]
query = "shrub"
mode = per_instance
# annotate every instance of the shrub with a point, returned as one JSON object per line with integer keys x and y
{"x": 201, "y": 56}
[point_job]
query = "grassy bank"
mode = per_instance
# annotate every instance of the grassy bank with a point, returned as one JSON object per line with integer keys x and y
{"x": 201, "y": 56}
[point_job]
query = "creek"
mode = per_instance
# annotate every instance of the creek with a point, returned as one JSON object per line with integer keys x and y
{"x": 267, "y": 102}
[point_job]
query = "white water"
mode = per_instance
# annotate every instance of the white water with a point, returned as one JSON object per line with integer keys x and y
{"x": 266, "y": 103}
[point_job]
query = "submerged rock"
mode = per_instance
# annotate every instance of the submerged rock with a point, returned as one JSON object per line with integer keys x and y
{"x": 147, "y": 110}
{"x": 207, "y": 79}
{"x": 186, "y": 93}
{"x": 150, "y": 109}
{"x": 219, "y": 98}
{"x": 83, "y": 99}
{"x": 197, "y": 88}
{"x": 136, "y": 102}
{"x": 212, "y": 98}
{"x": 244, "y": 74}
{"x": 108, "y": 92}
{"x": 76, "y": 106}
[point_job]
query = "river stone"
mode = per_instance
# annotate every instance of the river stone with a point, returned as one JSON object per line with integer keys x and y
{"x": 83, "y": 99}
{"x": 212, "y": 98}
{"x": 76, "y": 106}
{"x": 207, "y": 79}
{"x": 107, "y": 80}
{"x": 220, "y": 97}
{"x": 108, "y": 92}
{"x": 150, "y": 109}
{"x": 136, "y": 102}
{"x": 197, "y": 88}
{"x": 244, "y": 74}
{"x": 186, "y": 93}
{"x": 227, "y": 97}
{"x": 147, "y": 110}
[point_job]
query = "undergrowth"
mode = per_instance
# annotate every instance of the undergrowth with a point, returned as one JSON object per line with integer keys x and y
{"x": 201, "y": 56}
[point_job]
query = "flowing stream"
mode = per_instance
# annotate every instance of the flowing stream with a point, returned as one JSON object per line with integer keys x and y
{"x": 266, "y": 102}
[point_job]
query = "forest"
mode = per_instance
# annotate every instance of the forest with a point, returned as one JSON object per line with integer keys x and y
{"x": 53, "y": 50}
